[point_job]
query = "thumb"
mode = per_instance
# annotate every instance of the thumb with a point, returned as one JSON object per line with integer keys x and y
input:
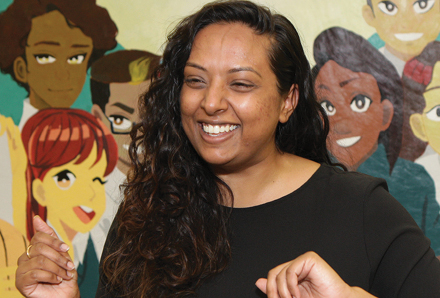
{"x": 262, "y": 284}
{"x": 41, "y": 226}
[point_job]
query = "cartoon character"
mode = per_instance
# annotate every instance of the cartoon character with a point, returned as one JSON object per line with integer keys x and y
{"x": 363, "y": 100}
{"x": 405, "y": 26}
{"x": 47, "y": 46}
{"x": 12, "y": 245}
{"x": 69, "y": 152}
{"x": 361, "y": 92}
{"x": 416, "y": 76}
{"x": 117, "y": 81}
{"x": 426, "y": 126}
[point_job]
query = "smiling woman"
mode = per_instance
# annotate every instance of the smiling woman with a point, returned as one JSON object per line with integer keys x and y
{"x": 210, "y": 211}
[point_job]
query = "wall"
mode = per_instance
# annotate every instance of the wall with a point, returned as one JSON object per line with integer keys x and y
{"x": 384, "y": 125}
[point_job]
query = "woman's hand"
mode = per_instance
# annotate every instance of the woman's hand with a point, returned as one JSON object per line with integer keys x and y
{"x": 308, "y": 276}
{"x": 46, "y": 269}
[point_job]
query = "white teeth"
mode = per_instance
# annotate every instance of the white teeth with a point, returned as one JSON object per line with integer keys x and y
{"x": 86, "y": 209}
{"x": 216, "y": 129}
{"x": 408, "y": 36}
{"x": 347, "y": 142}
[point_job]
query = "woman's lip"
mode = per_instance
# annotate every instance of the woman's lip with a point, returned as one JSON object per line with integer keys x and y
{"x": 216, "y": 137}
{"x": 84, "y": 214}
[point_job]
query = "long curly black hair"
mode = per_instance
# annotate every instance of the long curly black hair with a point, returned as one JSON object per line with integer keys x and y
{"x": 172, "y": 226}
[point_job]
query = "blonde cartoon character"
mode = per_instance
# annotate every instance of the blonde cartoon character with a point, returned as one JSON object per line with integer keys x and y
{"x": 426, "y": 127}
{"x": 69, "y": 152}
{"x": 405, "y": 26}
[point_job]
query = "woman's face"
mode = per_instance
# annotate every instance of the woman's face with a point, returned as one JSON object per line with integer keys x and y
{"x": 230, "y": 105}
{"x": 356, "y": 113}
{"x": 74, "y": 193}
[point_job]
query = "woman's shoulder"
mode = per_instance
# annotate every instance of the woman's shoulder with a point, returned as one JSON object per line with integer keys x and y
{"x": 335, "y": 179}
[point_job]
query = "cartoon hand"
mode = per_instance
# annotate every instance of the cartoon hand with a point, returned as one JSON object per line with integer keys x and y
{"x": 16, "y": 149}
{"x": 308, "y": 276}
{"x": 46, "y": 270}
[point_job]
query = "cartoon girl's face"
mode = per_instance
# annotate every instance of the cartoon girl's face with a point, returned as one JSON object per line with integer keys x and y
{"x": 356, "y": 113}
{"x": 406, "y": 26}
{"x": 57, "y": 55}
{"x": 74, "y": 193}
{"x": 426, "y": 126}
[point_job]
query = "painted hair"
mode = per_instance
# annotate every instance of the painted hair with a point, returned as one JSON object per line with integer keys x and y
{"x": 355, "y": 53}
{"x": 172, "y": 228}
{"x": 54, "y": 137}
{"x": 16, "y": 21}
{"x": 416, "y": 76}
{"x": 126, "y": 66}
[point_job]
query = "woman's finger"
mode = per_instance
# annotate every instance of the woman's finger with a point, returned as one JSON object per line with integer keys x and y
{"x": 281, "y": 279}
{"x": 262, "y": 284}
{"x": 43, "y": 250}
{"x": 41, "y": 263}
{"x": 47, "y": 235}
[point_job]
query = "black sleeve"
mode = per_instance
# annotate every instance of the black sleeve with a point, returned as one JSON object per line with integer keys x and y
{"x": 401, "y": 260}
{"x": 104, "y": 290}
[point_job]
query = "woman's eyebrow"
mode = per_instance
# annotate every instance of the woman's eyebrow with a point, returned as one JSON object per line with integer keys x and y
{"x": 190, "y": 64}
{"x": 238, "y": 69}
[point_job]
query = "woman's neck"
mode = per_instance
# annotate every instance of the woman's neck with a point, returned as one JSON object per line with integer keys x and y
{"x": 269, "y": 179}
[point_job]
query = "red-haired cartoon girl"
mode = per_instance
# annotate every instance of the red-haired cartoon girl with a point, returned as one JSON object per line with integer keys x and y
{"x": 69, "y": 152}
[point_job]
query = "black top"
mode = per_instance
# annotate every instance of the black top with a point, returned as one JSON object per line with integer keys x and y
{"x": 349, "y": 219}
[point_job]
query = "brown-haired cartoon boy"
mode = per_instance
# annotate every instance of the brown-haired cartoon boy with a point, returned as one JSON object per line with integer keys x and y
{"x": 47, "y": 46}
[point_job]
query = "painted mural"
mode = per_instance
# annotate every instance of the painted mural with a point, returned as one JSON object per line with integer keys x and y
{"x": 72, "y": 72}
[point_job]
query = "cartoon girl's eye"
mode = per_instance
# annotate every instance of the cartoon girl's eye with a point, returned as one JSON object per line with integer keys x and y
{"x": 388, "y": 7}
{"x": 44, "y": 59}
{"x": 434, "y": 114}
{"x": 360, "y": 103}
{"x": 423, "y": 6}
{"x": 64, "y": 179}
{"x": 328, "y": 108}
{"x": 77, "y": 59}
{"x": 99, "y": 180}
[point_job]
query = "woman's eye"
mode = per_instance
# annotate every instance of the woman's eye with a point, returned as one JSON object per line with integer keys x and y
{"x": 44, "y": 59}
{"x": 195, "y": 83}
{"x": 77, "y": 59}
{"x": 64, "y": 179}
{"x": 120, "y": 122}
{"x": 360, "y": 103}
{"x": 434, "y": 114}
{"x": 388, "y": 7}
{"x": 423, "y": 6}
{"x": 240, "y": 86}
{"x": 329, "y": 109}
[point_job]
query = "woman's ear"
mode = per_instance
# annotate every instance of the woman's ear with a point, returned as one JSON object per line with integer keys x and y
{"x": 289, "y": 104}
{"x": 20, "y": 69}
{"x": 39, "y": 192}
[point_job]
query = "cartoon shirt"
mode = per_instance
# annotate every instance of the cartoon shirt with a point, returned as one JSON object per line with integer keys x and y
{"x": 397, "y": 63}
{"x": 113, "y": 198}
{"x": 430, "y": 160}
{"x": 412, "y": 186}
{"x": 28, "y": 112}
